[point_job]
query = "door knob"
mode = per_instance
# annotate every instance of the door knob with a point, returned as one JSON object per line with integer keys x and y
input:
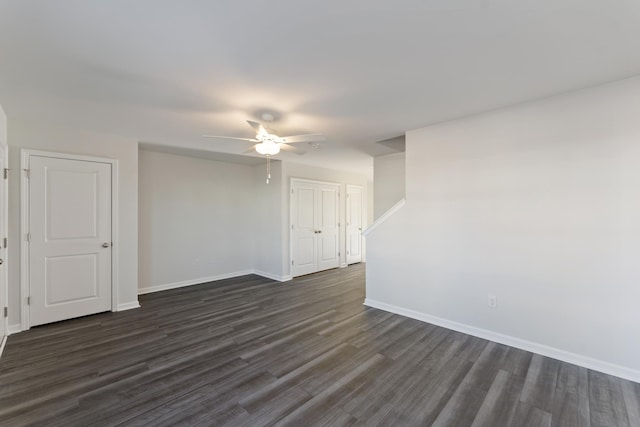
{"x": 106, "y": 245}
{"x": 1, "y": 261}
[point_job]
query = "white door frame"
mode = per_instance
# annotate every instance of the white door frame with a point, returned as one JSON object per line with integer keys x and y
{"x": 25, "y": 154}
{"x": 314, "y": 181}
{"x": 346, "y": 225}
{"x": 4, "y": 232}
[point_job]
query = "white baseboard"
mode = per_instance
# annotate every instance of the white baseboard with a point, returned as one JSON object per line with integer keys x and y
{"x": 544, "y": 350}
{"x": 343, "y": 265}
{"x": 273, "y": 276}
{"x": 201, "y": 280}
{"x": 14, "y": 329}
{"x": 11, "y": 329}
{"x": 128, "y": 305}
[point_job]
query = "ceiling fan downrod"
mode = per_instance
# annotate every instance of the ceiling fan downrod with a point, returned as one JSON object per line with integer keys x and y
{"x": 268, "y": 168}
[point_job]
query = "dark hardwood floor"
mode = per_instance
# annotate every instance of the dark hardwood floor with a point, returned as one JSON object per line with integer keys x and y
{"x": 250, "y": 352}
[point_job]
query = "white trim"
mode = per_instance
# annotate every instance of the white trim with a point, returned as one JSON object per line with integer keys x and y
{"x": 199, "y": 281}
{"x": 277, "y": 277}
{"x": 128, "y": 305}
{"x": 344, "y": 264}
{"x": 311, "y": 181}
{"x": 4, "y": 232}
{"x": 115, "y": 233}
{"x": 25, "y": 154}
{"x": 14, "y": 329}
{"x": 385, "y": 216}
{"x": 2, "y": 344}
{"x": 24, "y": 247}
{"x": 544, "y": 350}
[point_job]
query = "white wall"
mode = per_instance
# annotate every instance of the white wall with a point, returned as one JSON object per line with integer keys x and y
{"x": 388, "y": 182}
{"x": 538, "y": 204}
{"x": 196, "y": 220}
{"x": 295, "y": 170}
{"x": 74, "y": 141}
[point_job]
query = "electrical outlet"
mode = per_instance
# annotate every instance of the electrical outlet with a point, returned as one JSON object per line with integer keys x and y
{"x": 492, "y": 301}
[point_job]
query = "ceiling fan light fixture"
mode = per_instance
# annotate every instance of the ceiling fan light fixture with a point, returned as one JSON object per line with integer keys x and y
{"x": 268, "y": 144}
{"x": 268, "y": 148}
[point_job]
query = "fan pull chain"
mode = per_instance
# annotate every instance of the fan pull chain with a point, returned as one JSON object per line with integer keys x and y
{"x": 268, "y": 168}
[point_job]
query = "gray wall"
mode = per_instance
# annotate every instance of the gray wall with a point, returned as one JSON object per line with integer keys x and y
{"x": 267, "y": 218}
{"x": 202, "y": 219}
{"x": 388, "y": 182}
{"x": 196, "y": 220}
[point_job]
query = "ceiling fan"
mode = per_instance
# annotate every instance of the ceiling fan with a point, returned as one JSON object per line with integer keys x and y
{"x": 268, "y": 143}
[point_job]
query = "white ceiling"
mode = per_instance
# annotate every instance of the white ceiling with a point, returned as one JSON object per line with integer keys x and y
{"x": 166, "y": 72}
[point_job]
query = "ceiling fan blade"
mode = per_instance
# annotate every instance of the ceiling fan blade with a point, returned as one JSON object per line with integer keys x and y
{"x": 312, "y": 137}
{"x": 230, "y": 137}
{"x": 260, "y": 130}
{"x": 292, "y": 149}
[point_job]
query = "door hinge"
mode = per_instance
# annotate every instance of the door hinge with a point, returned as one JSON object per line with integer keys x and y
{"x": 4, "y": 242}
{"x": 29, "y": 300}
{"x": 291, "y": 262}
{"x": 6, "y": 173}
{"x": 28, "y": 172}
{"x": 292, "y": 191}
{"x": 292, "y": 226}
{"x": 6, "y": 312}
{"x": 338, "y": 253}
{"x": 28, "y": 237}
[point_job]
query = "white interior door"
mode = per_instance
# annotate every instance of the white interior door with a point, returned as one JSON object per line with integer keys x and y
{"x": 354, "y": 224}
{"x": 315, "y": 236}
{"x": 303, "y": 229}
{"x": 69, "y": 238}
{"x": 327, "y": 218}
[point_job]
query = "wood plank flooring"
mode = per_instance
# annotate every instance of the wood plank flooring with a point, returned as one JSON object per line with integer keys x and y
{"x": 251, "y": 352}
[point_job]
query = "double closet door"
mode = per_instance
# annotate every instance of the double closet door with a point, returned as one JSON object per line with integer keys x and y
{"x": 315, "y": 228}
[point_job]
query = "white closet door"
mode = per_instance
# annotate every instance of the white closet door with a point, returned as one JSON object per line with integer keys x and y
{"x": 327, "y": 219}
{"x": 315, "y": 231}
{"x": 354, "y": 224}
{"x": 70, "y": 238}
